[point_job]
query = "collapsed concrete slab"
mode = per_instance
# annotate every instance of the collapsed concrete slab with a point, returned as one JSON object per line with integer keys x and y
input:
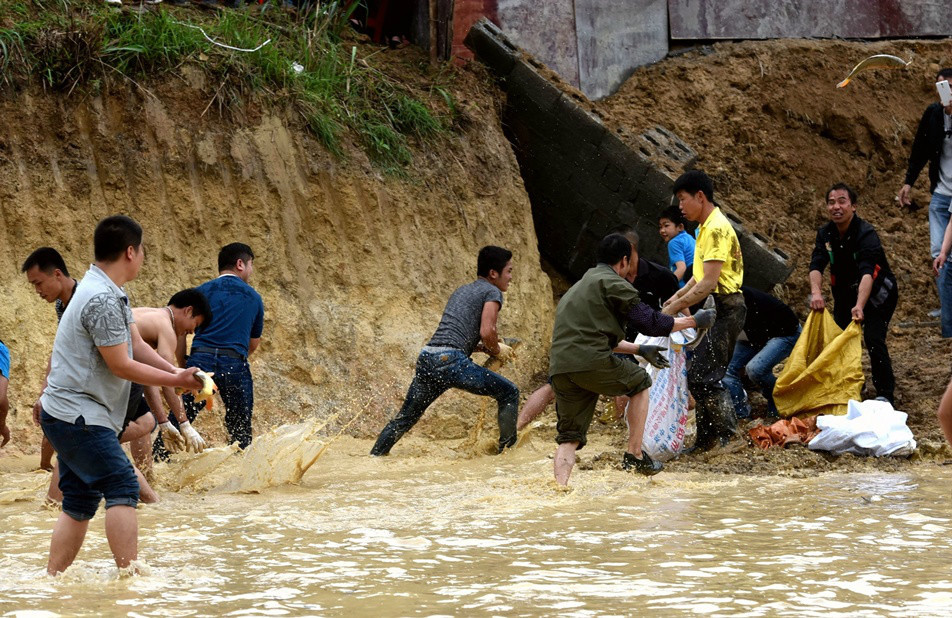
{"x": 583, "y": 180}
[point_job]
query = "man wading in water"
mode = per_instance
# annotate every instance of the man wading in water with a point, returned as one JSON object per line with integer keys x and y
{"x": 588, "y": 329}
{"x": 46, "y": 271}
{"x": 468, "y": 325}
{"x": 96, "y": 353}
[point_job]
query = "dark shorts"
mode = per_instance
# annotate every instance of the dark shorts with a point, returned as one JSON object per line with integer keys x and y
{"x": 92, "y": 466}
{"x": 137, "y": 407}
{"x": 576, "y": 394}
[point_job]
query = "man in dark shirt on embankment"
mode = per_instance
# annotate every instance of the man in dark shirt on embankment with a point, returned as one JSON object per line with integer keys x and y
{"x": 771, "y": 329}
{"x": 864, "y": 288}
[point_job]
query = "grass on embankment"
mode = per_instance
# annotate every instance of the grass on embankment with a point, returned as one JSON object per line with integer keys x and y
{"x": 74, "y": 45}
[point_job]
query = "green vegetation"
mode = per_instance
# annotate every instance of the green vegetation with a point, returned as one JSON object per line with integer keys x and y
{"x": 72, "y": 45}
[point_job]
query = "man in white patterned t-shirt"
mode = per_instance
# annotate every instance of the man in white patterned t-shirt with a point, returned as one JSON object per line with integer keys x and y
{"x": 97, "y": 351}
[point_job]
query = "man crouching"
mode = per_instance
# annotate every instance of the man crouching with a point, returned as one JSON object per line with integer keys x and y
{"x": 589, "y": 327}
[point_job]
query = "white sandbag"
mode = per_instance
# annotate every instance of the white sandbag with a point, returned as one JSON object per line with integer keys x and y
{"x": 666, "y": 425}
{"x": 869, "y": 428}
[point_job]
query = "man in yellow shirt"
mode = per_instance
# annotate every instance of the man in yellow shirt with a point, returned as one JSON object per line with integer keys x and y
{"x": 718, "y": 272}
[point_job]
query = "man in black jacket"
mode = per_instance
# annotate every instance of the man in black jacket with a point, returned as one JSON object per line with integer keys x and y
{"x": 864, "y": 288}
{"x": 933, "y": 145}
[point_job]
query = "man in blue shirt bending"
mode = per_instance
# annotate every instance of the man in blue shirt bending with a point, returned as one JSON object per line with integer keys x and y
{"x": 223, "y": 347}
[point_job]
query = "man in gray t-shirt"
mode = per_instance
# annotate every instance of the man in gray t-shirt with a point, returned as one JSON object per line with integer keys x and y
{"x": 80, "y": 383}
{"x": 96, "y": 352}
{"x": 459, "y": 326}
{"x": 468, "y": 325}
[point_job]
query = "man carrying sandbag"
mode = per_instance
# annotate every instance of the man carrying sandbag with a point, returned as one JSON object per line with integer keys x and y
{"x": 863, "y": 286}
{"x": 718, "y": 272}
{"x": 588, "y": 330}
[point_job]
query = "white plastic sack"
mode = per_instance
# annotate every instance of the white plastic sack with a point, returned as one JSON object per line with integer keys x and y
{"x": 667, "y": 420}
{"x": 869, "y": 428}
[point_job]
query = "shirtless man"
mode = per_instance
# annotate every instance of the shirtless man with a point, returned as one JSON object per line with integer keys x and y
{"x": 164, "y": 329}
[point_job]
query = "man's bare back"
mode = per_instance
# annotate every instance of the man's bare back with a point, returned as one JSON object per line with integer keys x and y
{"x": 155, "y": 327}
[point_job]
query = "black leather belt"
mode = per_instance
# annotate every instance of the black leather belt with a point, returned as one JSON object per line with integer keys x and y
{"x": 219, "y": 352}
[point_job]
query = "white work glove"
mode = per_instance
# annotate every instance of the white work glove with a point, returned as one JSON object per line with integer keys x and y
{"x": 193, "y": 442}
{"x": 174, "y": 442}
{"x": 505, "y": 353}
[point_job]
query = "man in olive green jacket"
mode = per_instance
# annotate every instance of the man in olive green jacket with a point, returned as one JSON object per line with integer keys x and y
{"x": 589, "y": 327}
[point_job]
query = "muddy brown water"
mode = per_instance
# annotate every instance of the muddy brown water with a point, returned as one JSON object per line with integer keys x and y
{"x": 429, "y": 531}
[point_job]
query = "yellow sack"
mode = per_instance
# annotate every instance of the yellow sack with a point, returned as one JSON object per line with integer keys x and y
{"x": 824, "y": 371}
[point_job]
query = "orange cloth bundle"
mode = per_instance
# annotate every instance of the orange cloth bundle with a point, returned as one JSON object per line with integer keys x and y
{"x": 784, "y": 432}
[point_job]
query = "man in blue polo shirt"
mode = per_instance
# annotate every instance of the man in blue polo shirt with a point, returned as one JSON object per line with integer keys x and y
{"x": 224, "y": 346}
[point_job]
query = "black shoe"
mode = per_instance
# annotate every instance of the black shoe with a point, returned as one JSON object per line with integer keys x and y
{"x": 506, "y": 443}
{"x": 646, "y": 465}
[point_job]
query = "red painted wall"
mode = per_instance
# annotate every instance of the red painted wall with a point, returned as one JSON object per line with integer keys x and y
{"x": 465, "y": 14}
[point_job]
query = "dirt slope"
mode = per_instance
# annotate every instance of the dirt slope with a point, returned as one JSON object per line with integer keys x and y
{"x": 774, "y": 132}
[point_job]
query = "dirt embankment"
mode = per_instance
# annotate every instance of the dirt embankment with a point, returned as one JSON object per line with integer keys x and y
{"x": 354, "y": 267}
{"x": 774, "y": 132}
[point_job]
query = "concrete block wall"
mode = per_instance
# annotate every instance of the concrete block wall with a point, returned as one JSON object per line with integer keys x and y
{"x": 582, "y": 179}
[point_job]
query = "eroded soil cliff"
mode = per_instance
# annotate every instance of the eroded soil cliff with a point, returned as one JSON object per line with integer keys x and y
{"x": 354, "y": 265}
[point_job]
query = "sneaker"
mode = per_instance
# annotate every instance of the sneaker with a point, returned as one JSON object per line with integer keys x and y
{"x": 114, "y": 2}
{"x": 646, "y": 465}
{"x": 935, "y": 313}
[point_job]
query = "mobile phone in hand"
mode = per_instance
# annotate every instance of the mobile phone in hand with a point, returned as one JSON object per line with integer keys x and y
{"x": 945, "y": 92}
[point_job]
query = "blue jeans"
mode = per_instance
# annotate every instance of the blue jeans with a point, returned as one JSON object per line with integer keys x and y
{"x": 92, "y": 466}
{"x": 938, "y": 220}
{"x": 233, "y": 378}
{"x": 945, "y": 297}
{"x": 436, "y": 373}
{"x": 759, "y": 364}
